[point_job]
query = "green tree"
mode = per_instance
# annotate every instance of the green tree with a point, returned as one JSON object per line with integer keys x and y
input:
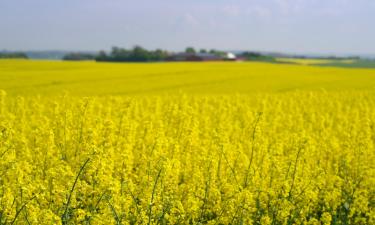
{"x": 190, "y": 50}
{"x": 203, "y": 50}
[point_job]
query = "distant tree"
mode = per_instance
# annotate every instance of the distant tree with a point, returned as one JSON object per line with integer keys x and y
{"x": 140, "y": 54}
{"x": 115, "y": 51}
{"x": 190, "y": 50}
{"x": 102, "y": 56}
{"x": 251, "y": 54}
{"x": 79, "y": 56}
{"x": 136, "y": 54}
{"x": 159, "y": 55}
{"x": 13, "y": 55}
{"x": 256, "y": 56}
{"x": 203, "y": 51}
{"x": 217, "y": 53}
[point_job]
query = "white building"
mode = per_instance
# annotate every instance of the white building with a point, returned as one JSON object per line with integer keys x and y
{"x": 230, "y": 56}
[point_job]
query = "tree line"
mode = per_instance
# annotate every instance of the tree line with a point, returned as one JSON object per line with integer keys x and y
{"x": 13, "y": 55}
{"x": 137, "y": 54}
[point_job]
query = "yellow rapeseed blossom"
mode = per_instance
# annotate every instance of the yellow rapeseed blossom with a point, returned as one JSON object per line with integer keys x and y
{"x": 277, "y": 157}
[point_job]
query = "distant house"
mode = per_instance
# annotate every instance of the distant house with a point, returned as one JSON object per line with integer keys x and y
{"x": 180, "y": 57}
{"x": 230, "y": 56}
{"x": 208, "y": 57}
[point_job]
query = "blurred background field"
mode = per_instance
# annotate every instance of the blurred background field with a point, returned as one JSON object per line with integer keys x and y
{"x": 24, "y": 77}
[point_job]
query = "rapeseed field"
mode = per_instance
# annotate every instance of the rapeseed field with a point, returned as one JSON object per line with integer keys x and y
{"x": 186, "y": 143}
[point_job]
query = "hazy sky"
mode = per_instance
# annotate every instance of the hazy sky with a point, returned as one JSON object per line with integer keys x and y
{"x": 315, "y": 26}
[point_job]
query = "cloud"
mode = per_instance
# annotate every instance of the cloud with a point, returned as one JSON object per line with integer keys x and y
{"x": 259, "y": 12}
{"x": 189, "y": 19}
{"x": 231, "y": 10}
{"x": 329, "y": 12}
{"x": 183, "y": 22}
{"x": 294, "y": 6}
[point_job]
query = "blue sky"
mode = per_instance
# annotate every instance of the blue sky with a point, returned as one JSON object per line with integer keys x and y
{"x": 296, "y": 26}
